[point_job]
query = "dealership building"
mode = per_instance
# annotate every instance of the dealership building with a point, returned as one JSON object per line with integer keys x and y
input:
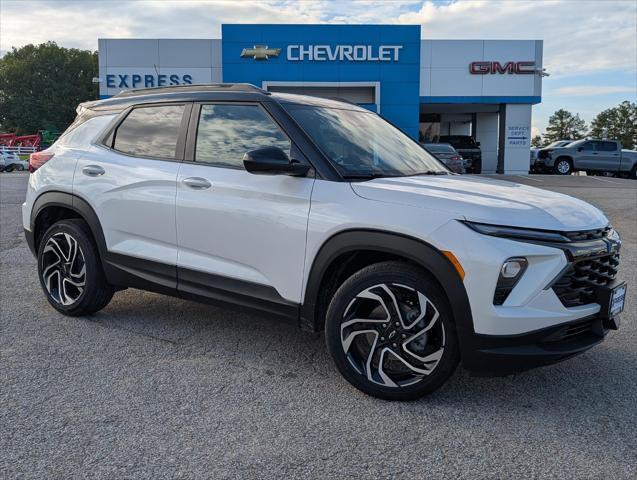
{"x": 428, "y": 88}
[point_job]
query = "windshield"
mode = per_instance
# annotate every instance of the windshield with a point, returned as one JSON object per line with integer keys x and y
{"x": 363, "y": 145}
{"x": 558, "y": 143}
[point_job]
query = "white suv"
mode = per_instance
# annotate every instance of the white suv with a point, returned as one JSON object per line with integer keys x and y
{"x": 322, "y": 213}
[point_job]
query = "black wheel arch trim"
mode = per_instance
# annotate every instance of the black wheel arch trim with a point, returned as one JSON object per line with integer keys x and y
{"x": 413, "y": 249}
{"x": 71, "y": 202}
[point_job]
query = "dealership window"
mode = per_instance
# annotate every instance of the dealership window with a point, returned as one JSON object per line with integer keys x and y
{"x": 226, "y": 132}
{"x": 150, "y": 132}
{"x": 429, "y": 127}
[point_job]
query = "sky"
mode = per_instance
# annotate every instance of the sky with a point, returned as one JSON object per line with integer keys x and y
{"x": 590, "y": 46}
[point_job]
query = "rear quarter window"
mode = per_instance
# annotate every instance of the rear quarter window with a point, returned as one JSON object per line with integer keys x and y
{"x": 85, "y": 133}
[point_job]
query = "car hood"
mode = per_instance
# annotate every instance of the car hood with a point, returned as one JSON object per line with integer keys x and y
{"x": 486, "y": 200}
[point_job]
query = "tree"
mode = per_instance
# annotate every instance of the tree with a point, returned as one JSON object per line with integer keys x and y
{"x": 618, "y": 123}
{"x": 41, "y": 86}
{"x": 537, "y": 141}
{"x": 563, "y": 125}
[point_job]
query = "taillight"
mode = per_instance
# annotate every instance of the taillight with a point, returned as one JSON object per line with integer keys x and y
{"x": 37, "y": 159}
{"x": 456, "y": 157}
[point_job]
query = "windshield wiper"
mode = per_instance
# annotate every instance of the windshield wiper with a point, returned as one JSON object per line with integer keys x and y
{"x": 366, "y": 176}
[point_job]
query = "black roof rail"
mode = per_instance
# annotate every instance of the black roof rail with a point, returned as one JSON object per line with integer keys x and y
{"x": 204, "y": 87}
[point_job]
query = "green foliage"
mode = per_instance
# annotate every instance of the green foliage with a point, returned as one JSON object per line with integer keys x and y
{"x": 41, "y": 86}
{"x": 537, "y": 141}
{"x": 618, "y": 123}
{"x": 563, "y": 125}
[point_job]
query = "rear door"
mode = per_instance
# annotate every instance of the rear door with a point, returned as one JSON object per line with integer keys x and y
{"x": 607, "y": 157}
{"x": 131, "y": 183}
{"x": 241, "y": 236}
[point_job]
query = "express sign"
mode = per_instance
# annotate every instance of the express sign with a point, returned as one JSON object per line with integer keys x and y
{"x": 512, "y": 68}
{"x": 138, "y": 80}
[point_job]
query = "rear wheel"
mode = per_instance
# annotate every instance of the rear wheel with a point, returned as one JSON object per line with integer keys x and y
{"x": 563, "y": 166}
{"x": 633, "y": 172}
{"x": 390, "y": 332}
{"x": 70, "y": 270}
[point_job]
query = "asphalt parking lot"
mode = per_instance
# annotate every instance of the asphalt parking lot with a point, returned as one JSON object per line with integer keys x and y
{"x": 156, "y": 387}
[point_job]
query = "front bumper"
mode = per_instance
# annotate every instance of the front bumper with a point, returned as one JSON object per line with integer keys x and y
{"x": 505, "y": 355}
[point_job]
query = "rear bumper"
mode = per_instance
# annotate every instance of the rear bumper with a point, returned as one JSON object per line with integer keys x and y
{"x": 505, "y": 355}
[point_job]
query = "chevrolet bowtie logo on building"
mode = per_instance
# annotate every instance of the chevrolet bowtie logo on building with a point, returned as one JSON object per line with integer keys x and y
{"x": 260, "y": 52}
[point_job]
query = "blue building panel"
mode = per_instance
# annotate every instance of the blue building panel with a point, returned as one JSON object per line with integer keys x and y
{"x": 388, "y": 55}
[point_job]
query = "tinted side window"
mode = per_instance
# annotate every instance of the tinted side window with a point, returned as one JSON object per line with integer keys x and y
{"x": 150, "y": 132}
{"x": 588, "y": 146}
{"x": 226, "y": 132}
{"x": 608, "y": 146}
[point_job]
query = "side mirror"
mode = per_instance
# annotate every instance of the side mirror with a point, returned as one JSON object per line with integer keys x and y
{"x": 273, "y": 161}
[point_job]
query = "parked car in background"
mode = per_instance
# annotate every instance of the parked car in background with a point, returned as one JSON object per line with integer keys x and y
{"x": 466, "y": 146}
{"x": 447, "y": 155}
{"x": 10, "y": 161}
{"x": 541, "y": 153}
{"x": 591, "y": 156}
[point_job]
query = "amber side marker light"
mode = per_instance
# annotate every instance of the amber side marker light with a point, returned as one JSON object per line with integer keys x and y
{"x": 454, "y": 261}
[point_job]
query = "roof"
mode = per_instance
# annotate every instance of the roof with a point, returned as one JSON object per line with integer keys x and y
{"x": 215, "y": 91}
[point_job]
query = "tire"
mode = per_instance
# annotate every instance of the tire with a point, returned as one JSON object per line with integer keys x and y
{"x": 633, "y": 173}
{"x": 70, "y": 270}
{"x": 380, "y": 360}
{"x": 563, "y": 166}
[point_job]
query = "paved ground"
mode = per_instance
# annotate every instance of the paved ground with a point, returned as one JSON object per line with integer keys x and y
{"x": 156, "y": 387}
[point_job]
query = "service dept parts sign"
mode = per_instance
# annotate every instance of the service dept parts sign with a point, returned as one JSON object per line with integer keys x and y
{"x": 327, "y": 53}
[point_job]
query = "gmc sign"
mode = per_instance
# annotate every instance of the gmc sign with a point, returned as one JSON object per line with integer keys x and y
{"x": 512, "y": 68}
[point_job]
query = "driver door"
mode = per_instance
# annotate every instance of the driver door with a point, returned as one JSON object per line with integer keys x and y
{"x": 239, "y": 235}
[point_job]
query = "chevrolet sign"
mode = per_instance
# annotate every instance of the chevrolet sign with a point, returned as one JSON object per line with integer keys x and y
{"x": 352, "y": 53}
{"x": 260, "y": 52}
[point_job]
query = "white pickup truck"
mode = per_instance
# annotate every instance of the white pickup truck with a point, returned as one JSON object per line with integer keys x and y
{"x": 589, "y": 156}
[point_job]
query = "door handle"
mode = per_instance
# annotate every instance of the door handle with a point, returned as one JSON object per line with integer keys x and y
{"x": 197, "y": 183}
{"x": 93, "y": 170}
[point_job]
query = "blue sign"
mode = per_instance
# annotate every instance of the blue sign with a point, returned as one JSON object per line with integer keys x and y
{"x": 147, "y": 80}
{"x": 331, "y": 55}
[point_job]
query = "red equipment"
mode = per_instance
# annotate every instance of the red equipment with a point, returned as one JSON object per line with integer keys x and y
{"x": 27, "y": 141}
{"x": 6, "y": 139}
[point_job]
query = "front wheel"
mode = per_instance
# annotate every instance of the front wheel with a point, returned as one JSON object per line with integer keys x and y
{"x": 390, "y": 332}
{"x": 70, "y": 270}
{"x": 563, "y": 166}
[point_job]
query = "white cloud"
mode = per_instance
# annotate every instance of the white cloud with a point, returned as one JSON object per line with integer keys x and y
{"x": 579, "y": 37}
{"x": 589, "y": 90}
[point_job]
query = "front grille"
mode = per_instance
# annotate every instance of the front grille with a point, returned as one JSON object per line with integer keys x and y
{"x": 542, "y": 154}
{"x": 576, "y": 286}
{"x": 588, "y": 234}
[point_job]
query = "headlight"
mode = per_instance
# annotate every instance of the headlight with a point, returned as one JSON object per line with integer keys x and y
{"x": 517, "y": 233}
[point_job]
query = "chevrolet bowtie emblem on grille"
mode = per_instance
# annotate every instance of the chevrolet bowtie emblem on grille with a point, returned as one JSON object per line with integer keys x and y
{"x": 260, "y": 52}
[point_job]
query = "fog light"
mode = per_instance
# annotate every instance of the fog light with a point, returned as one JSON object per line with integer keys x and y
{"x": 513, "y": 267}
{"x": 510, "y": 274}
